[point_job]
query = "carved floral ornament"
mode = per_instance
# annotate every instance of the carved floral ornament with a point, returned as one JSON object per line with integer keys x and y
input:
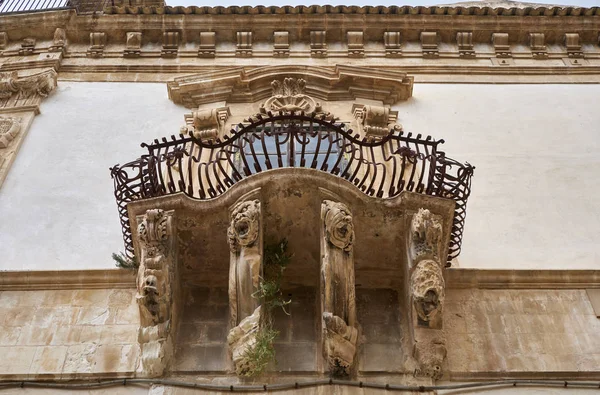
{"x": 243, "y": 229}
{"x": 288, "y": 95}
{"x": 9, "y": 129}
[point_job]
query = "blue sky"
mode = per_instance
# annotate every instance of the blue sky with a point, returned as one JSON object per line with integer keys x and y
{"x": 581, "y": 3}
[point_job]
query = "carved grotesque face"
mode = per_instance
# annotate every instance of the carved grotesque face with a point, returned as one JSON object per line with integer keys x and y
{"x": 150, "y": 285}
{"x": 430, "y": 302}
{"x": 243, "y": 230}
{"x": 338, "y": 225}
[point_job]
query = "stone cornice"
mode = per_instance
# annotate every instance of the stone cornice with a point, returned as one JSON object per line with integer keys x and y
{"x": 455, "y": 279}
{"x": 522, "y": 279}
{"x": 364, "y": 10}
{"x": 246, "y": 85}
{"x": 67, "y": 279}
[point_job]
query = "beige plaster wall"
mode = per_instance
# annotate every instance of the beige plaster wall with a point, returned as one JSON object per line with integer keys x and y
{"x": 533, "y": 204}
{"x": 67, "y": 333}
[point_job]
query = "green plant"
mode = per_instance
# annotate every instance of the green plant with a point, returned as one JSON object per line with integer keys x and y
{"x": 124, "y": 262}
{"x": 276, "y": 259}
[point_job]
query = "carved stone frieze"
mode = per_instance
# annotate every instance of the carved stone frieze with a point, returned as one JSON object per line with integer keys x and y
{"x": 425, "y": 236}
{"x": 207, "y": 124}
{"x": 13, "y": 87}
{"x": 248, "y": 85}
{"x": 375, "y": 122}
{"x": 245, "y": 269}
{"x": 288, "y": 95}
{"x": 338, "y": 300}
{"x": 59, "y": 40}
{"x": 427, "y": 290}
{"x": 9, "y": 129}
{"x": 155, "y": 290}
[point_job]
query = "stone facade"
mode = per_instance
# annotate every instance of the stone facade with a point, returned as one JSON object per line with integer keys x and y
{"x": 368, "y": 299}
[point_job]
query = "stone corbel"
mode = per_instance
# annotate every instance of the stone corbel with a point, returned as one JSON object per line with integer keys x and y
{"x": 156, "y": 290}
{"x": 207, "y": 124}
{"x": 281, "y": 44}
{"x": 59, "y": 41}
{"x": 318, "y": 43}
{"x": 375, "y": 122}
{"x": 27, "y": 46}
{"x": 133, "y": 46}
{"x": 427, "y": 292}
{"x": 392, "y": 43}
{"x": 15, "y": 90}
{"x": 245, "y": 236}
{"x": 244, "y": 44}
{"x": 170, "y": 45}
{"x": 338, "y": 301}
{"x": 207, "y": 48}
{"x": 538, "y": 46}
{"x": 97, "y": 44}
{"x": 429, "y": 43}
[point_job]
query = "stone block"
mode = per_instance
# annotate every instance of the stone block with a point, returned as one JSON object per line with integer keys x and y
{"x": 191, "y": 333}
{"x": 296, "y": 357}
{"x": 32, "y": 336}
{"x": 91, "y": 297}
{"x": 121, "y": 298}
{"x": 16, "y": 316}
{"x": 380, "y": 358}
{"x": 80, "y": 358}
{"x": 216, "y": 333}
{"x": 16, "y": 359}
{"x": 119, "y": 334}
{"x": 114, "y": 358}
{"x": 201, "y": 358}
{"x": 9, "y": 335}
{"x": 96, "y": 315}
{"x": 49, "y": 360}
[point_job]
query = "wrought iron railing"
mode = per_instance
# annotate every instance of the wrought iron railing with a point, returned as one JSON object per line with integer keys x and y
{"x": 207, "y": 169}
{"x": 81, "y": 6}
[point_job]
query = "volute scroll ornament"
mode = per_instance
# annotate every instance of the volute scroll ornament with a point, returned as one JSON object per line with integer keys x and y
{"x": 40, "y": 84}
{"x": 375, "y": 122}
{"x": 9, "y": 129}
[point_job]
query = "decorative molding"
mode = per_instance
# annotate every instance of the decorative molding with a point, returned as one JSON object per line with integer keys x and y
{"x": 392, "y": 44}
{"x": 97, "y": 43}
{"x": 318, "y": 43}
{"x": 170, "y": 44}
{"x": 133, "y": 46}
{"x": 465, "y": 44}
{"x": 248, "y": 85}
{"x": 207, "y": 48}
{"x": 501, "y": 45}
{"x": 356, "y": 45}
{"x": 429, "y": 43}
{"x": 338, "y": 299}
{"x": 538, "y": 46}
{"x": 67, "y": 279}
{"x": 375, "y": 122}
{"x": 244, "y": 44}
{"x": 281, "y": 44}
{"x": 156, "y": 283}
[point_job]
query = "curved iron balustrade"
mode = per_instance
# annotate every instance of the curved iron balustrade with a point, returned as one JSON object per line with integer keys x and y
{"x": 207, "y": 169}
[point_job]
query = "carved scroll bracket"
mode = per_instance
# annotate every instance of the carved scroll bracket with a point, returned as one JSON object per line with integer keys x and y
{"x": 338, "y": 300}
{"x": 427, "y": 292}
{"x": 375, "y": 122}
{"x": 206, "y": 124}
{"x": 26, "y": 91}
{"x": 246, "y": 261}
{"x": 156, "y": 283}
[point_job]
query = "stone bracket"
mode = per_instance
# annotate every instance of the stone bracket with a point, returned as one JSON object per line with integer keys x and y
{"x": 207, "y": 124}
{"x": 375, "y": 122}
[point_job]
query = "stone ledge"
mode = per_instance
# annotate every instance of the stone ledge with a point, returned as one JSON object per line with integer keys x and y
{"x": 522, "y": 279}
{"x": 67, "y": 279}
